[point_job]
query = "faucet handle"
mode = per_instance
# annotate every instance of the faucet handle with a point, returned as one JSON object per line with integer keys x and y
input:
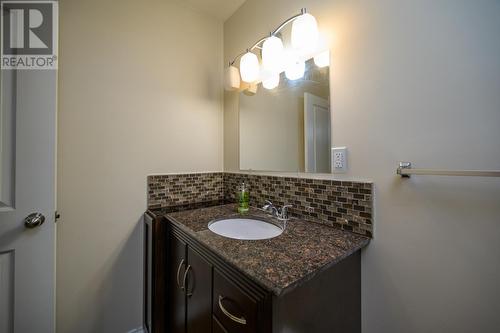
{"x": 267, "y": 204}
{"x": 284, "y": 211}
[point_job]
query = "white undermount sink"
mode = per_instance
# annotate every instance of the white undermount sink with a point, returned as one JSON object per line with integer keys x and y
{"x": 245, "y": 228}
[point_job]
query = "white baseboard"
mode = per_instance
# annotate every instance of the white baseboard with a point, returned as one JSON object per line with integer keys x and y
{"x": 137, "y": 330}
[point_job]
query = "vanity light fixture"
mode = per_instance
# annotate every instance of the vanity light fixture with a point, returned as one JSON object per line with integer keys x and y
{"x": 295, "y": 67}
{"x": 322, "y": 59}
{"x": 272, "y": 54}
{"x": 305, "y": 33}
{"x": 304, "y": 43}
{"x": 249, "y": 67}
{"x": 232, "y": 78}
{"x": 272, "y": 81}
{"x": 295, "y": 70}
{"x": 251, "y": 89}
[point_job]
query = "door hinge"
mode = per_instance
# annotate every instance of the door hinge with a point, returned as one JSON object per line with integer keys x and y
{"x": 57, "y": 216}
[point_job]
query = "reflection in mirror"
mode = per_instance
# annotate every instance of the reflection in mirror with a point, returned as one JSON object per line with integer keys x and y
{"x": 287, "y": 128}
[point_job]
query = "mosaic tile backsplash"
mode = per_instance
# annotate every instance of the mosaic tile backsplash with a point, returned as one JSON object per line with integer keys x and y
{"x": 181, "y": 189}
{"x": 343, "y": 204}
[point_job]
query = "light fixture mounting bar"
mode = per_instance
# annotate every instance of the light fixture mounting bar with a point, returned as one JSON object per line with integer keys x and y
{"x": 291, "y": 19}
{"x": 274, "y": 32}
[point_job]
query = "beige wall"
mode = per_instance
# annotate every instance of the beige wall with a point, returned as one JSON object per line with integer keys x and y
{"x": 418, "y": 81}
{"x": 140, "y": 92}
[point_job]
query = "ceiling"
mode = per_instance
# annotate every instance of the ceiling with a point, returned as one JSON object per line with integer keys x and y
{"x": 220, "y": 9}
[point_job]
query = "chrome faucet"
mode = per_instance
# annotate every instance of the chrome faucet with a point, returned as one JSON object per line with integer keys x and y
{"x": 280, "y": 213}
{"x": 269, "y": 207}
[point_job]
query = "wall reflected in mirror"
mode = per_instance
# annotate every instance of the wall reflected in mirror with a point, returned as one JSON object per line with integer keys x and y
{"x": 287, "y": 128}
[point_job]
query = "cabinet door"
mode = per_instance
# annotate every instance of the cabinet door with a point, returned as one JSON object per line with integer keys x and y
{"x": 177, "y": 263}
{"x": 199, "y": 293}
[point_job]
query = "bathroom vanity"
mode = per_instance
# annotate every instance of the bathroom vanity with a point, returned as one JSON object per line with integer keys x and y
{"x": 308, "y": 279}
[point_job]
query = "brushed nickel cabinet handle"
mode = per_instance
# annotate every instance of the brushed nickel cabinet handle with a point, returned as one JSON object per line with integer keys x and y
{"x": 178, "y": 272}
{"x": 239, "y": 320}
{"x": 184, "y": 282}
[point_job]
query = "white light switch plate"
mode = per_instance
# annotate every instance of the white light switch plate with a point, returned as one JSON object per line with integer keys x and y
{"x": 339, "y": 159}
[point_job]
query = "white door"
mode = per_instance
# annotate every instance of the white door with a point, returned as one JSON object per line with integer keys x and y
{"x": 27, "y": 183}
{"x": 317, "y": 134}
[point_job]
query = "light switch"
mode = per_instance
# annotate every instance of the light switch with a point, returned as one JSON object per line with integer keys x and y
{"x": 339, "y": 159}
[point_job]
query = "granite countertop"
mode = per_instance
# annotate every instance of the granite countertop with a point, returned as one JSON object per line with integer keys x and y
{"x": 278, "y": 264}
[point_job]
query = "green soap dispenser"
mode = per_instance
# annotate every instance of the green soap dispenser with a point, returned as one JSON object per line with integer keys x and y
{"x": 243, "y": 198}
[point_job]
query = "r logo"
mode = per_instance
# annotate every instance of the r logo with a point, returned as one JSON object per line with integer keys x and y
{"x": 29, "y": 34}
{"x": 27, "y": 28}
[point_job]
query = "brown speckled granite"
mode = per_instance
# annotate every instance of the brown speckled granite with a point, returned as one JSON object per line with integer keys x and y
{"x": 278, "y": 264}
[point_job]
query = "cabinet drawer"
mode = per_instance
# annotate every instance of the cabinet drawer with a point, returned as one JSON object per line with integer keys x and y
{"x": 234, "y": 309}
{"x": 217, "y": 326}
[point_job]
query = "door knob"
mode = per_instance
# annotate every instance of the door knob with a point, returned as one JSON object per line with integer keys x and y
{"x": 34, "y": 220}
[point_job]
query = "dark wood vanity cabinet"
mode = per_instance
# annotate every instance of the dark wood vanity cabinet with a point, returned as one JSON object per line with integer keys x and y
{"x": 189, "y": 289}
{"x": 176, "y": 295}
{"x": 198, "y": 292}
{"x": 201, "y": 297}
{"x": 155, "y": 271}
{"x": 234, "y": 311}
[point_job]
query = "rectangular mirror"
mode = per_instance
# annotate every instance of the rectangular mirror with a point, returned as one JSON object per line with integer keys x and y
{"x": 288, "y": 128}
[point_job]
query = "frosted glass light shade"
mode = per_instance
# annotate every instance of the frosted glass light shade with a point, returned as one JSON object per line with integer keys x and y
{"x": 231, "y": 78}
{"x": 272, "y": 54}
{"x": 251, "y": 90}
{"x": 322, "y": 59}
{"x": 272, "y": 81}
{"x": 249, "y": 67}
{"x": 305, "y": 33}
{"x": 294, "y": 65}
{"x": 295, "y": 69}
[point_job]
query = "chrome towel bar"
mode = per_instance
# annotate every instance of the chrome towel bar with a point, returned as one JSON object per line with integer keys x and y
{"x": 405, "y": 170}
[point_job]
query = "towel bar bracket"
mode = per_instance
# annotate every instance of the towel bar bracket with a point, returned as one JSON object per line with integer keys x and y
{"x": 404, "y": 165}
